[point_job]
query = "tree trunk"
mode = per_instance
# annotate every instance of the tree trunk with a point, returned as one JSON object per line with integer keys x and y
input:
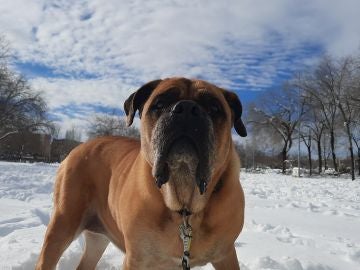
{"x": 359, "y": 160}
{"x": 325, "y": 163}
{"x": 352, "y": 163}
{"x": 332, "y": 143}
{"x": 284, "y": 157}
{"x": 319, "y": 155}
{"x": 310, "y": 161}
{"x": 351, "y": 151}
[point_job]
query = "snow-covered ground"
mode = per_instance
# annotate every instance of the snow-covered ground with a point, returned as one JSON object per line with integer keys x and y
{"x": 291, "y": 223}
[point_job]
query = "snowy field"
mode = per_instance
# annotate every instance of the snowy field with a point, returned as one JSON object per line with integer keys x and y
{"x": 291, "y": 223}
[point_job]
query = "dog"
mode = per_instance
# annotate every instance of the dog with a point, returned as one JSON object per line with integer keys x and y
{"x": 183, "y": 172}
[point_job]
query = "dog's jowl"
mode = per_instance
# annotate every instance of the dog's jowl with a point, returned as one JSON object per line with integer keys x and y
{"x": 171, "y": 200}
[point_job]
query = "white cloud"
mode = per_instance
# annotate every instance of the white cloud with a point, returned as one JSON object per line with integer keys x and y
{"x": 73, "y": 102}
{"x": 103, "y": 92}
{"x": 237, "y": 44}
{"x": 142, "y": 40}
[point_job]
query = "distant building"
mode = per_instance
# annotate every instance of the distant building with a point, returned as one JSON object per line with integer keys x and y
{"x": 26, "y": 146}
{"x": 35, "y": 147}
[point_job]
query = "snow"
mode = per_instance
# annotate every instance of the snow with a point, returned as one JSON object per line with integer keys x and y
{"x": 290, "y": 223}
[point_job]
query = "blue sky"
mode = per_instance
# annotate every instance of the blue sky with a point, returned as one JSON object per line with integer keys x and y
{"x": 87, "y": 56}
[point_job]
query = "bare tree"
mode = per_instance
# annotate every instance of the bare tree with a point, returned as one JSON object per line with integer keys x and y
{"x": 342, "y": 96}
{"x": 355, "y": 126}
{"x": 338, "y": 80}
{"x": 317, "y": 127}
{"x": 316, "y": 86}
{"x": 306, "y": 137}
{"x": 329, "y": 111}
{"x": 280, "y": 111}
{"x": 356, "y": 139}
{"x": 314, "y": 120}
{"x": 355, "y": 85}
{"x": 110, "y": 124}
{"x": 21, "y": 108}
{"x": 330, "y": 90}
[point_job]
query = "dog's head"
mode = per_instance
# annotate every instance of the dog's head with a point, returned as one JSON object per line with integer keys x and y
{"x": 185, "y": 135}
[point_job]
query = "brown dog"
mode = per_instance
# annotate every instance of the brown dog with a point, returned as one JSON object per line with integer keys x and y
{"x": 136, "y": 193}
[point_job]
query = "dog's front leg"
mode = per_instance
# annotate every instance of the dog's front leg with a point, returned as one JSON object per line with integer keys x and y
{"x": 229, "y": 262}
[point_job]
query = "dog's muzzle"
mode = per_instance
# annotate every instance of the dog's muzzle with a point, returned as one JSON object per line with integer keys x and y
{"x": 183, "y": 135}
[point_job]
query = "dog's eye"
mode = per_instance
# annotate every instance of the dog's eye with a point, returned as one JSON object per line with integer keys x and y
{"x": 158, "y": 105}
{"x": 214, "y": 109}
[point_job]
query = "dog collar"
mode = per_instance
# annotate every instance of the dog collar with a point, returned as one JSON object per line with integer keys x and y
{"x": 186, "y": 236}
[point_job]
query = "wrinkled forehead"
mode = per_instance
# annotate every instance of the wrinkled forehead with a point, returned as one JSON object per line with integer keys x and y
{"x": 188, "y": 89}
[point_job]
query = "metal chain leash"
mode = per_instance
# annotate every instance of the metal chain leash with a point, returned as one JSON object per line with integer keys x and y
{"x": 186, "y": 236}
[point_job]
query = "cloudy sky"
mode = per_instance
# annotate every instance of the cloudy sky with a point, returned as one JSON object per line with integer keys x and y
{"x": 89, "y": 55}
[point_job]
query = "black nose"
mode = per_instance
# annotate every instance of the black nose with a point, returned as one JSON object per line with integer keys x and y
{"x": 186, "y": 108}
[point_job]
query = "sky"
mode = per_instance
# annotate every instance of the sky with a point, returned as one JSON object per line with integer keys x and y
{"x": 88, "y": 56}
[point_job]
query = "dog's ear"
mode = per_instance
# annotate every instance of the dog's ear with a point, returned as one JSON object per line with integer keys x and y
{"x": 137, "y": 100}
{"x": 236, "y": 107}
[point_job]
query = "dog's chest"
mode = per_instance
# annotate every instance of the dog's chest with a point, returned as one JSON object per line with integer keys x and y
{"x": 165, "y": 248}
